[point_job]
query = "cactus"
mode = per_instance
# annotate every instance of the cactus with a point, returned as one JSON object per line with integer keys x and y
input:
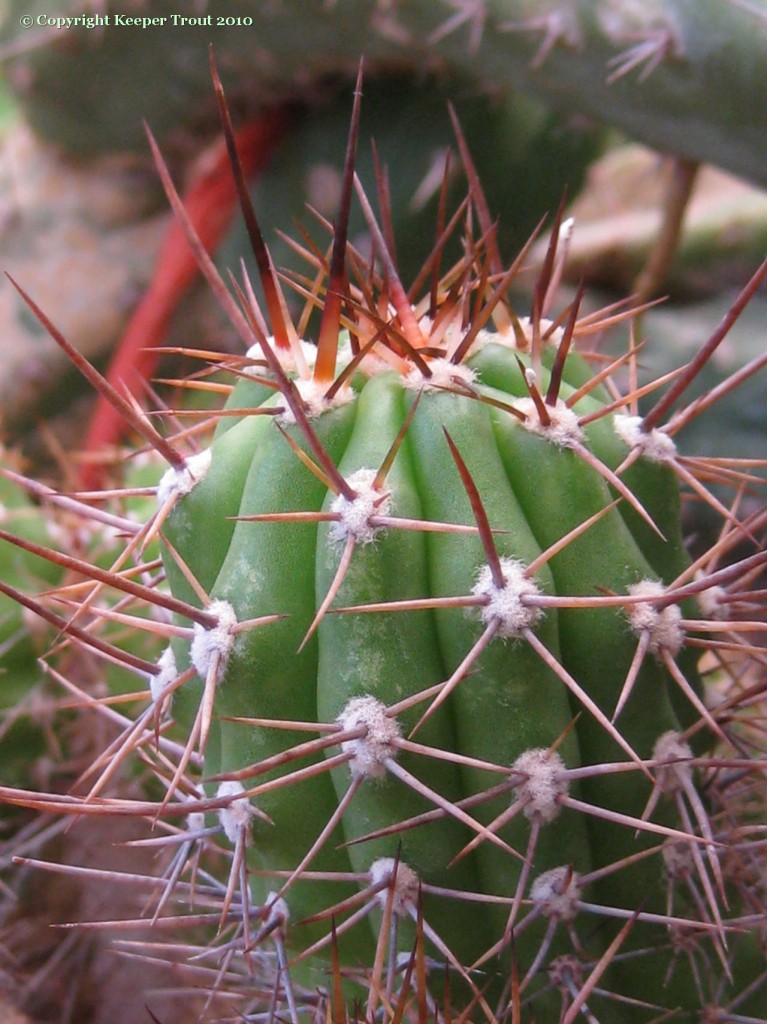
{"x": 683, "y": 78}
{"x": 20, "y": 641}
{"x": 435, "y": 661}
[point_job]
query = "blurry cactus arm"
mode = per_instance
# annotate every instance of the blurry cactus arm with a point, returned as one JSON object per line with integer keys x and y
{"x": 683, "y": 77}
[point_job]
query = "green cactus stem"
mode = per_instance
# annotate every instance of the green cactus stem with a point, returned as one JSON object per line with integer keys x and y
{"x": 434, "y": 656}
{"x": 684, "y": 78}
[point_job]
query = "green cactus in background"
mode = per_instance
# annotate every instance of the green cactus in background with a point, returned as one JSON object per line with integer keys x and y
{"x": 20, "y": 640}
{"x": 434, "y": 656}
{"x": 37, "y": 517}
{"x": 685, "y": 78}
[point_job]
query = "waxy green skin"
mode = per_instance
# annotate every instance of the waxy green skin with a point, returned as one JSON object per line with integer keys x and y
{"x": 533, "y": 493}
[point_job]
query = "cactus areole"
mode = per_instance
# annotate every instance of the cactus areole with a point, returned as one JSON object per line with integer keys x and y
{"x": 445, "y": 652}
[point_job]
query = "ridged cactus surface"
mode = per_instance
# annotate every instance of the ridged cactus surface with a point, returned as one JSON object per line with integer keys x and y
{"x": 449, "y": 552}
{"x": 439, "y": 684}
{"x": 453, "y": 697}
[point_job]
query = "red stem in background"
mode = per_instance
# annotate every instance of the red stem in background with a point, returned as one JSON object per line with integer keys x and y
{"x": 210, "y": 202}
